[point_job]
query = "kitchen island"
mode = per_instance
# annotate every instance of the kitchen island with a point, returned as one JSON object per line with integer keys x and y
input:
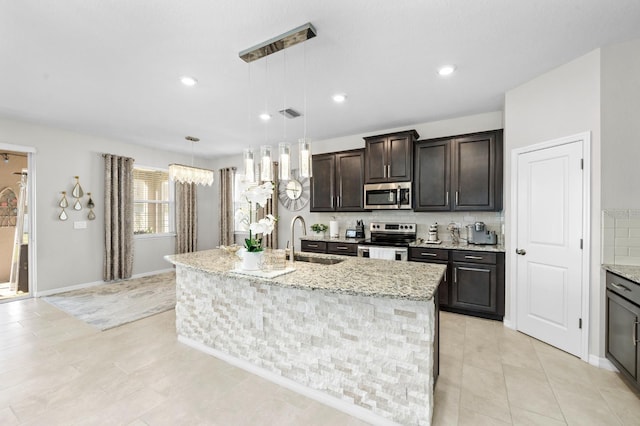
{"x": 359, "y": 335}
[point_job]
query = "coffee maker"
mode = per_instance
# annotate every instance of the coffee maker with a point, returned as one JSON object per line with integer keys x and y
{"x": 478, "y": 234}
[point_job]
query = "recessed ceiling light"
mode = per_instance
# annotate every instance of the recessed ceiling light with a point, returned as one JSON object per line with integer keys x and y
{"x": 446, "y": 70}
{"x": 339, "y": 98}
{"x": 265, "y": 117}
{"x": 188, "y": 81}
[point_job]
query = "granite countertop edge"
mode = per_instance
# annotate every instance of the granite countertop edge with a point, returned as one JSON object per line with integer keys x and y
{"x": 386, "y": 279}
{"x": 630, "y": 272}
{"x": 445, "y": 245}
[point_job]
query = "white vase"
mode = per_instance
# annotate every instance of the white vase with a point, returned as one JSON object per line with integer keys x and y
{"x": 252, "y": 261}
{"x": 318, "y": 234}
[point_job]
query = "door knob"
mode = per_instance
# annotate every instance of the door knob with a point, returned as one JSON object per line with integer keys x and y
{"x": 521, "y": 252}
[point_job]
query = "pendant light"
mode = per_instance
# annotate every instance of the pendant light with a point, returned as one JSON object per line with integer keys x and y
{"x": 249, "y": 166}
{"x": 263, "y": 50}
{"x": 190, "y": 174}
{"x": 265, "y": 163}
{"x": 284, "y": 158}
{"x": 304, "y": 144}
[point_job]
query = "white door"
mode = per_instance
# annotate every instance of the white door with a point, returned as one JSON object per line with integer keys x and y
{"x": 549, "y": 243}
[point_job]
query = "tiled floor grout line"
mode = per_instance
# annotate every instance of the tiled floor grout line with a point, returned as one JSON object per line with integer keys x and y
{"x": 546, "y": 375}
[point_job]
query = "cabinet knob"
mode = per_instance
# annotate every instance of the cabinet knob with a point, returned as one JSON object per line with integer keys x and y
{"x": 521, "y": 252}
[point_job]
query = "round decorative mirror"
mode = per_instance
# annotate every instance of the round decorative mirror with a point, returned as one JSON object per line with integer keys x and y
{"x": 294, "y": 193}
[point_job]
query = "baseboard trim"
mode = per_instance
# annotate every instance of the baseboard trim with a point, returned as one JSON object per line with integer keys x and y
{"x": 93, "y": 284}
{"x": 602, "y": 363}
{"x": 508, "y": 324}
{"x": 333, "y": 402}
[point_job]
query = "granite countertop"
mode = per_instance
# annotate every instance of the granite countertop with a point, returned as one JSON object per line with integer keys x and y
{"x": 354, "y": 276}
{"x": 332, "y": 240}
{"x": 447, "y": 245}
{"x": 629, "y": 272}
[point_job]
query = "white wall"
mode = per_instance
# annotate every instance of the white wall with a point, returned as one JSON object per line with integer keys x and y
{"x": 562, "y": 102}
{"x": 456, "y": 126}
{"x": 621, "y": 125}
{"x": 65, "y": 256}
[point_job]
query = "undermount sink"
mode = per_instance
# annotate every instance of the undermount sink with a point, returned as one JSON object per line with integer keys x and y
{"x": 312, "y": 259}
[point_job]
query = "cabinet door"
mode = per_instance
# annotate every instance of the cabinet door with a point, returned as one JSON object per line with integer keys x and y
{"x": 313, "y": 246}
{"x": 432, "y": 171}
{"x": 323, "y": 183}
{"x": 622, "y": 333}
{"x": 400, "y": 158}
{"x": 474, "y": 287}
{"x": 376, "y": 157}
{"x": 477, "y": 172}
{"x": 350, "y": 181}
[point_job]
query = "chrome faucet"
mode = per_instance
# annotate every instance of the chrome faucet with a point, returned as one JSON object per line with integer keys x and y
{"x": 293, "y": 243}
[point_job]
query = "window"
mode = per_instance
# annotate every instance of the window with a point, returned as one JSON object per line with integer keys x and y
{"x": 152, "y": 202}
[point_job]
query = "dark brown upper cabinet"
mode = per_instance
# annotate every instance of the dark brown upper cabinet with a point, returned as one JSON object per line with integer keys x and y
{"x": 389, "y": 158}
{"x": 460, "y": 173}
{"x": 338, "y": 181}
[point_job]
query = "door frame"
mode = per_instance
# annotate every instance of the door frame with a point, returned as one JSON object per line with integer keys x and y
{"x": 585, "y": 138}
{"x": 33, "y": 210}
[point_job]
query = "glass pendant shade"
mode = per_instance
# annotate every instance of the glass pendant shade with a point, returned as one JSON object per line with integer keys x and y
{"x": 284, "y": 160}
{"x": 304, "y": 149}
{"x": 265, "y": 163}
{"x": 190, "y": 174}
{"x": 247, "y": 159}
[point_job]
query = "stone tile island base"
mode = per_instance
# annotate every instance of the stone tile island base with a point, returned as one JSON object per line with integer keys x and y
{"x": 371, "y": 357}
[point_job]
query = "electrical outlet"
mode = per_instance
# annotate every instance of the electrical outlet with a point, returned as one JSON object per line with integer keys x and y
{"x": 81, "y": 224}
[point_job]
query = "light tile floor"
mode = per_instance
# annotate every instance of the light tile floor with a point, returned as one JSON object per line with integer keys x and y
{"x": 56, "y": 370}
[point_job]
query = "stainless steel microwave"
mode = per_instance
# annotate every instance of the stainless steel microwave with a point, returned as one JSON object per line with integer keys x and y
{"x": 388, "y": 196}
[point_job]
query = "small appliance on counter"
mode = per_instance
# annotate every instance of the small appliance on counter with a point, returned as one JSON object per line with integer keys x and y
{"x": 357, "y": 232}
{"x": 478, "y": 234}
{"x": 433, "y": 234}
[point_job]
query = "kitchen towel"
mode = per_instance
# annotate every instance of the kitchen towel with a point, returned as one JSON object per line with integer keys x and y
{"x": 334, "y": 230}
{"x": 382, "y": 253}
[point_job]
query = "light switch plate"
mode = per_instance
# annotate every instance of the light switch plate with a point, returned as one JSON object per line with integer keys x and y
{"x": 81, "y": 224}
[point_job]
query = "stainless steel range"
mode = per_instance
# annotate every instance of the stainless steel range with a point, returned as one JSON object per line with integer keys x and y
{"x": 388, "y": 241}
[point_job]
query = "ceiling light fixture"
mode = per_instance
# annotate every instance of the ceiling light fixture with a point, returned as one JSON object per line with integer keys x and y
{"x": 446, "y": 70}
{"x": 265, "y": 117}
{"x": 339, "y": 98}
{"x": 190, "y": 174}
{"x": 188, "y": 81}
{"x": 281, "y": 42}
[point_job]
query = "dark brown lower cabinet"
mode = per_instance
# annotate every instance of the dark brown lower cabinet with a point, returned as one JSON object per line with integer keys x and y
{"x": 329, "y": 247}
{"x": 623, "y": 317}
{"x": 473, "y": 283}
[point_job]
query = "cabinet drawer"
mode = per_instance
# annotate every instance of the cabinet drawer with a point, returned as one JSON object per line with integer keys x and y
{"x": 623, "y": 287}
{"x": 346, "y": 249}
{"x": 313, "y": 246}
{"x": 474, "y": 257}
{"x": 425, "y": 254}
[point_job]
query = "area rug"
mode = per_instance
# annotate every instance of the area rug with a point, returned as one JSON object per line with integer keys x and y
{"x": 111, "y": 305}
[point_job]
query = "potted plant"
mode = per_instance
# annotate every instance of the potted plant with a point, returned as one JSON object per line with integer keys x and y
{"x": 319, "y": 229}
{"x": 258, "y": 195}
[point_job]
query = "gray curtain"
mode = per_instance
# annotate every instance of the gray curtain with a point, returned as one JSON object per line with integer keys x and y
{"x": 271, "y": 241}
{"x": 118, "y": 217}
{"x": 186, "y": 218}
{"x": 226, "y": 225}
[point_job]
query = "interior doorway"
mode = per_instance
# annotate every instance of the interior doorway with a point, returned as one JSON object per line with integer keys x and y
{"x": 551, "y": 224}
{"x": 15, "y": 223}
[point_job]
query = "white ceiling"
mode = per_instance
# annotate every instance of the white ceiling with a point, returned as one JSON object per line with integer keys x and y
{"x": 112, "y": 68}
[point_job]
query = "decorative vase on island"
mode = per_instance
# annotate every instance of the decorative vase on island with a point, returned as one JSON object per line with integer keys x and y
{"x": 318, "y": 234}
{"x": 252, "y": 260}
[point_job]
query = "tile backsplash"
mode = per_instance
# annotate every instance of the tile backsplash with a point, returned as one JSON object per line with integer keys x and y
{"x": 493, "y": 220}
{"x": 621, "y": 237}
